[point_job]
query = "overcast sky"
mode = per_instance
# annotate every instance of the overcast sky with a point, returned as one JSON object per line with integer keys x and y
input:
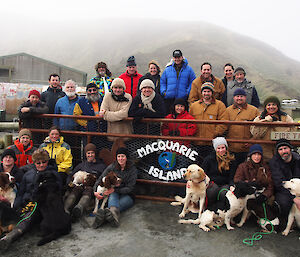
{"x": 274, "y": 22}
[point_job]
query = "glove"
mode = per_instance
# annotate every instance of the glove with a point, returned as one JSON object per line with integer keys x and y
{"x": 269, "y": 118}
{"x": 261, "y": 199}
{"x": 274, "y": 118}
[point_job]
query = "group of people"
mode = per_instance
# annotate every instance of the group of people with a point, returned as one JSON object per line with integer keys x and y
{"x": 25, "y": 163}
{"x": 176, "y": 94}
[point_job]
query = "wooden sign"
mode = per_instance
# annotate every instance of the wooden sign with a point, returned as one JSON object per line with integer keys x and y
{"x": 286, "y": 135}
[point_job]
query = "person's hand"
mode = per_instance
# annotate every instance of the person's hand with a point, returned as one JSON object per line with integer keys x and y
{"x": 269, "y": 118}
{"x": 261, "y": 199}
{"x": 25, "y": 109}
{"x": 109, "y": 191}
{"x": 101, "y": 113}
{"x": 98, "y": 196}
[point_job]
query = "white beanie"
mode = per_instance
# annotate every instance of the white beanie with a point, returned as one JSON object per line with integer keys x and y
{"x": 219, "y": 141}
{"x": 147, "y": 83}
{"x": 118, "y": 82}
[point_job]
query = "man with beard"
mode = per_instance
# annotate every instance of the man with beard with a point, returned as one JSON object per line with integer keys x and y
{"x": 65, "y": 106}
{"x": 207, "y": 108}
{"x": 284, "y": 165}
{"x": 206, "y": 76}
{"x": 103, "y": 79}
{"x": 90, "y": 105}
{"x": 241, "y": 82}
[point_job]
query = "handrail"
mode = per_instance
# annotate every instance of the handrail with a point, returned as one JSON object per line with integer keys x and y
{"x": 151, "y": 120}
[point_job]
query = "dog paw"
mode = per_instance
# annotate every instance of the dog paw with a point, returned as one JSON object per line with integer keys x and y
{"x": 196, "y": 221}
{"x": 285, "y": 233}
{"x": 230, "y": 228}
{"x": 182, "y": 215}
{"x": 240, "y": 224}
{"x": 204, "y": 228}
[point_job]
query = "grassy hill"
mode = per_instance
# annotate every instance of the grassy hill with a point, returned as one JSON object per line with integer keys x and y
{"x": 82, "y": 44}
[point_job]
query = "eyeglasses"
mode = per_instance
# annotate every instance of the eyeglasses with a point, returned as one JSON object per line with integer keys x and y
{"x": 41, "y": 162}
{"x": 92, "y": 90}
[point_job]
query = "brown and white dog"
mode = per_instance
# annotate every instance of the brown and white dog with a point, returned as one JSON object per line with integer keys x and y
{"x": 7, "y": 188}
{"x": 83, "y": 178}
{"x": 293, "y": 186}
{"x": 196, "y": 185}
{"x": 105, "y": 188}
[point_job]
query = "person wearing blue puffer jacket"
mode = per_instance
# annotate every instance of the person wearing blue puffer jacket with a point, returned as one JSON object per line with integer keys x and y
{"x": 176, "y": 80}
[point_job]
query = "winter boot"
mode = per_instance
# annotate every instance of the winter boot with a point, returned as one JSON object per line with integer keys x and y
{"x": 69, "y": 202}
{"x": 6, "y": 241}
{"x": 80, "y": 207}
{"x": 100, "y": 218}
{"x": 112, "y": 215}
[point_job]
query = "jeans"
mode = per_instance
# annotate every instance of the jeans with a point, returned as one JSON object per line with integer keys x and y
{"x": 122, "y": 202}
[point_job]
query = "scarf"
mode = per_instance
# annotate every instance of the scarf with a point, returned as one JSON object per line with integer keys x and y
{"x": 119, "y": 98}
{"x": 224, "y": 161}
{"x": 146, "y": 100}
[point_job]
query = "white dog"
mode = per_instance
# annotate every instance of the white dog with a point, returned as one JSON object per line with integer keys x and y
{"x": 293, "y": 186}
{"x": 197, "y": 182}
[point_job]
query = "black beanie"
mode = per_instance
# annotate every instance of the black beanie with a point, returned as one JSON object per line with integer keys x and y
{"x": 131, "y": 61}
{"x": 122, "y": 150}
{"x": 90, "y": 85}
{"x": 283, "y": 142}
{"x": 182, "y": 102}
{"x": 10, "y": 152}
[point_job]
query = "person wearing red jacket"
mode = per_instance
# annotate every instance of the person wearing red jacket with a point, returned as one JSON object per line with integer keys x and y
{"x": 23, "y": 148}
{"x": 131, "y": 77}
{"x": 179, "y": 129}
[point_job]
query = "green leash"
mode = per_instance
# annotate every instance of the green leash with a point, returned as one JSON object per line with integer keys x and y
{"x": 258, "y": 235}
{"x": 33, "y": 210}
{"x": 223, "y": 189}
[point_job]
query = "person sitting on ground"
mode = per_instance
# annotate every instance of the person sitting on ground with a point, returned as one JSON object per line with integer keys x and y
{"x": 25, "y": 196}
{"x": 271, "y": 113}
{"x": 220, "y": 166}
{"x": 82, "y": 195}
{"x": 59, "y": 151}
{"x": 148, "y": 104}
{"x": 8, "y": 159}
{"x": 179, "y": 129}
{"x": 23, "y": 148}
{"x": 284, "y": 165}
{"x": 103, "y": 79}
{"x": 254, "y": 169}
{"x": 153, "y": 74}
{"x": 123, "y": 197}
{"x": 27, "y": 110}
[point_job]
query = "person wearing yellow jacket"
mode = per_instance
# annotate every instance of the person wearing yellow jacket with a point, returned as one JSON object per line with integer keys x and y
{"x": 59, "y": 151}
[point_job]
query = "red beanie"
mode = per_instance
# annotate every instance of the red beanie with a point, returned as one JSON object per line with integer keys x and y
{"x": 34, "y": 92}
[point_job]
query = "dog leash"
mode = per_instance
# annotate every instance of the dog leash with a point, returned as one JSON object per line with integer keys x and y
{"x": 258, "y": 235}
{"x": 33, "y": 208}
{"x": 223, "y": 189}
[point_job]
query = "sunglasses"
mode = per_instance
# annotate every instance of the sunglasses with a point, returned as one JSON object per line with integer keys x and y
{"x": 92, "y": 90}
{"x": 41, "y": 162}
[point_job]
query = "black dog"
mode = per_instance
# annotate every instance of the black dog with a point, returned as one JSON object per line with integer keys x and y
{"x": 55, "y": 221}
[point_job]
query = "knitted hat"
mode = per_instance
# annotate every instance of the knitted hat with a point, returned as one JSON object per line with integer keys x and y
{"x": 90, "y": 147}
{"x": 90, "y": 85}
{"x": 177, "y": 53}
{"x": 180, "y": 101}
{"x": 26, "y": 132}
{"x": 240, "y": 69}
{"x": 40, "y": 155}
{"x": 34, "y": 92}
{"x": 283, "y": 142}
{"x": 208, "y": 85}
{"x": 239, "y": 91}
{"x": 156, "y": 64}
{"x": 122, "y": 150}
{"x": 255, "y": 149}
{"x": 131, "y": 61}
{"x": 118, "y": 82}
{"x": 272, "y": 99}
{"x": 219, "y": 141}
{"x": 147, "y": 83}
{"x": 9, "y": 152}
{"x": 100, "y": 65}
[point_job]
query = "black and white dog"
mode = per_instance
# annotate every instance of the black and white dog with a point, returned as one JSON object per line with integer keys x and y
{"x": 232, "y": 201}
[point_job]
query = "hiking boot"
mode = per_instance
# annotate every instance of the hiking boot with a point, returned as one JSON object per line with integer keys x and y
{"x": 100, "y": 218}
{"x": 112, "y": 215}
{"x": 79, "y": 208}
{"x": 69, "y": 202}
